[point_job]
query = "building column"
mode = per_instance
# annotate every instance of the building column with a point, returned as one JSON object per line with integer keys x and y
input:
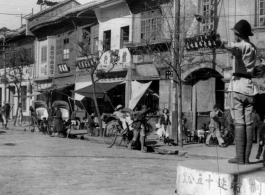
{"x": 194, "y": 107}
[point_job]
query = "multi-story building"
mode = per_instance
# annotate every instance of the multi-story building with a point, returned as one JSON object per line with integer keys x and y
{"x": 16, "y": 40}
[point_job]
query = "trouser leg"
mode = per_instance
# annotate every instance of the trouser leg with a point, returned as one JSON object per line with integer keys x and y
{"x": 240, "y": 141}
{"x": 259, "y": 151}
{"x": 218, "y": 136}
{"x": 263, "y": 156}
{"x": 209, "y": 135}
{"x": 249, "y": 142}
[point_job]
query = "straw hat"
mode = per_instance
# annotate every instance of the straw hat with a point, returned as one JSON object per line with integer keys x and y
{"x": 119, "y": 107}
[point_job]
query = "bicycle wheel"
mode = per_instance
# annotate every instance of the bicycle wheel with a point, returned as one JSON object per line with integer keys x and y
{"x": 121, "y": 139}
{"x": 110, "y": 136}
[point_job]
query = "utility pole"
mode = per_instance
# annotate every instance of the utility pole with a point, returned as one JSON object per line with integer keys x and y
{"x": 4, "y": 61}
{"x": 177, "y": 115}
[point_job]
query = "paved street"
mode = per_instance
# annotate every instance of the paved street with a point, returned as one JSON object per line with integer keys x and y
{"x": 33, "y": 163}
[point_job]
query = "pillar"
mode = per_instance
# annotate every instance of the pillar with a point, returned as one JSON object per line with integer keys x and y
{"x": 194, "y": 107}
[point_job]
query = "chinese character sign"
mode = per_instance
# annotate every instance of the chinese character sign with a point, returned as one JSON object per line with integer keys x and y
{"x": 106, "y": 60}
{"x": 51, "y": 56}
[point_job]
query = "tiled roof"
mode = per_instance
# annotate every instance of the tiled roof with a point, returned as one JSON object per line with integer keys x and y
{"x": 50, "y": 8}
{"x": 75, "y": 10}
{"x": 14, "y": 33}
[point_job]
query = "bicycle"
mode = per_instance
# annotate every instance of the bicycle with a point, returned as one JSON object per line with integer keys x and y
{"x": 114, "y": 134}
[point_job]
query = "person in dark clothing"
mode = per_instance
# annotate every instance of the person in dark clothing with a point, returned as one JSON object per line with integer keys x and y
{"x": 5, "y": 114}
{"x": 164, "y": 119}
{"x": 139, "y": 127}
{"x": 261, "y": 142}
{"x": 58, "y": 122}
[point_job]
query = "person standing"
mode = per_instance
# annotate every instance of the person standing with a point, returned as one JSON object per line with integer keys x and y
{"x": 139, "y": 127}
{"x": 5, "y": 114}
{"x": 164, "y": 121}
{"x": 58, "y": 122}
{"x": 214, "y": 127}
{"x": 241, "y": 90}
{"x": 261, "y": 141}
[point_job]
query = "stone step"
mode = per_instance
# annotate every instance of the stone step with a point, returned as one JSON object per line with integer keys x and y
{"x": 208, "y": 177}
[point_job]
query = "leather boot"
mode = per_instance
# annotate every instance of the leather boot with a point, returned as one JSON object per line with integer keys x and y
{"x": 249, "y": 139}
{"x": 240, "y": 140}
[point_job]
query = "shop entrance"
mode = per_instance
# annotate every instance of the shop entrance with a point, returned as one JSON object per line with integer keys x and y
{"x": 207, "y": 90}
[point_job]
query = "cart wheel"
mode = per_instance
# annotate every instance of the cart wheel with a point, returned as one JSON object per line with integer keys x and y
{"x": 110, "y": 136}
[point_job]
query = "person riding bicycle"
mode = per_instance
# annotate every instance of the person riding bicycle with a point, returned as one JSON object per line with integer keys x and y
{"x": 120, "y": 116}
{"x": 138, "y": 126}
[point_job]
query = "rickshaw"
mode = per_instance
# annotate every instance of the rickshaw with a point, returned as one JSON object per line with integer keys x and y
{"x": 40, "y": 109}
{"x": 64, "y": 107}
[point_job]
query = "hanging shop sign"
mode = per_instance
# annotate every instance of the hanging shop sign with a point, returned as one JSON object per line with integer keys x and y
{"x": 169, "y": 74}
{"x": 203, "y": 42}
{"x": 51, "y": 56}
{"x": 83, "y": 64}
{"x": 63, "y": 68}
{"x": 106, "y": 60}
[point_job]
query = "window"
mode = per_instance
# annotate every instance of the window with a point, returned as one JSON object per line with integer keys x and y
{"x": 125, "y": 32}
{"x": 66, "y": 41}
{"x": 207, "y": 12}
{"x": 66, "y": 54}
{"x": 43, "y": 54}
{"x": 24, "y": 97}
{"x": 66, "y": 49}
{"x": 261, "y": 17}
{"x": 151, "y": 25}
{"x": 106, "y": 40}
{"x": 95, "y": 45}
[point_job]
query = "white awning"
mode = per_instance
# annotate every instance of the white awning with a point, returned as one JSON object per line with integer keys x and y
{"x": 81, "y": 85}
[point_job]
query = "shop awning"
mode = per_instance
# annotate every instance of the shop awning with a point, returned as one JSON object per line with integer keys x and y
{"x": 100, "y": 89}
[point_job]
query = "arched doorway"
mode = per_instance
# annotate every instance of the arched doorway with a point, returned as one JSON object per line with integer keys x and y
{"x": 207, "y": 89}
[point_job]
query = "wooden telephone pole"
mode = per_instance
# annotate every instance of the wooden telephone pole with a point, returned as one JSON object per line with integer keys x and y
{"x": 177, "y": 115}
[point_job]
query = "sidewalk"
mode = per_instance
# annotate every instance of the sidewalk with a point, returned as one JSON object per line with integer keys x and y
{"x": 153, "y": 144}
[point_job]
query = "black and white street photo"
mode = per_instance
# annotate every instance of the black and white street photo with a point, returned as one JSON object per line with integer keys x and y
{"x": 132, "y": 97}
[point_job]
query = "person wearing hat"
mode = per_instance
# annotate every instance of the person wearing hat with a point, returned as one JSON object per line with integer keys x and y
{"x": 120, "y": 115}
{"x": 5, "y": 114}
{"x": 241, "y": 90}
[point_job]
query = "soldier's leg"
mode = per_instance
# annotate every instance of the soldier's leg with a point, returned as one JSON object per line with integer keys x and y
{"x": 237, "y": 113}
{"x": 249, "y": 128}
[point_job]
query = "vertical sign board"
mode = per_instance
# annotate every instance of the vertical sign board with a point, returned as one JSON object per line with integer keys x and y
{"x": 51, "y": 52}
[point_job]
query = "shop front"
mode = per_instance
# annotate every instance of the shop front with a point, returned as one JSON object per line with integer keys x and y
{"x": 112, "y": 96}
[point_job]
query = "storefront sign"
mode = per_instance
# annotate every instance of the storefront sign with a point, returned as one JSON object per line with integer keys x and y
{"x": 82, "y": 64}
{"x": 51, "y": 56}
{"x": 169, "y": 74}
{"x": 147, "y": 70}
{"x": 124, "y": 60}
{"x": 63, "y": 68}
{"x": 112, "y": 79}
{"x": 42, "y": 86}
